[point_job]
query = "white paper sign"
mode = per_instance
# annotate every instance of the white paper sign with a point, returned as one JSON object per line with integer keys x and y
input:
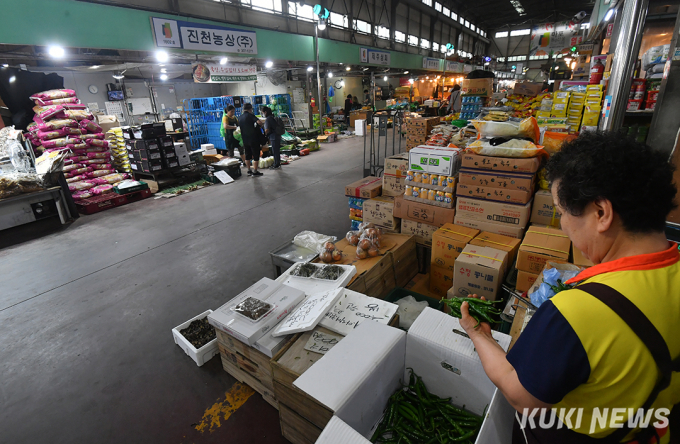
{"x": 223, "y": 177}
{"x": 353, "y": 308}
{"x": 308, "y": 314}
{"x": 321, "y": 342}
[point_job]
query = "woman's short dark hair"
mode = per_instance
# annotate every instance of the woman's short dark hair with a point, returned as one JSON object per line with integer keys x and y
{"x": 349, "y": 96}
{"x": 229, "y": 108}
{"x": 247, "y": 106}
{"x": 456, "y": 87}
{"x": 365, "y": 90}
{"x": 265, "y": 110}
{"x": 637, "y": 180}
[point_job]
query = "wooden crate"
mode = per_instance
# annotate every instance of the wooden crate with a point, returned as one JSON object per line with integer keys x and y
{"x": 247, "y": 365}
{"x": 295, "y": 428}
{"x": 288, "y": 364}
{"x": 378, "y": 280}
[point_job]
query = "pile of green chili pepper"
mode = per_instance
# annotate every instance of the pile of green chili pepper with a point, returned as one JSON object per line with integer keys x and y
{"x": 415, "y": 416}
{"x": 479, "y": 309}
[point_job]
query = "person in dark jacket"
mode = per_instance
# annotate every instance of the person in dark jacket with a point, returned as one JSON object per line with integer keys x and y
{"x": 270, "y": 126}
{"x": 249, "y": 125}
{"x": 348, "y": 107}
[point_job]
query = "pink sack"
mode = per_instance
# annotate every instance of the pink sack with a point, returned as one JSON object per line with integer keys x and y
{"x": 100, "y": 173}
{"x": 53, "y": 94}
{"x": 73, "y": 131}
{"x": 90, "y": 126}
{"x": 56, "y": 143}
{"x": 56, "y": 124}
{"x": 77, "y": 172}
{"x": 101, "y": 166}
{"x": 54, "y": 134}
{"x": 61, "y": 101}
{"x": 84, "y": 151}
{"x": 103, "y": 155}
{"x": 80, "y": 106}
{"x": 92, "y": 136}
{"x": 71, "y": 167}
{"x": 76, "y": 178}
{"x": 79, "y": 186}
{"x": 80, "y": 195}
{"x": 76, "y": 114}
{"x": 102, "y": 189}
{"x": 92, "y": 161}
{"x": 49, "y": 112}
{"x": 78, "y": 146}
{"x": 32, "y": 127}
{"x": 114, "y": 178}
{"x": 98, "y": 142}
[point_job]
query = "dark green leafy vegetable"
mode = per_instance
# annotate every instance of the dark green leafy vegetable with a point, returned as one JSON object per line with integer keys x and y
{"x": 561, "y": 286}
{"x": 414, "y": 415}
{"x": 304, "y": 270}
{"x": 199, "y": 332}
{"x": 329, "y": 272}
{"x": 479, "y": 309}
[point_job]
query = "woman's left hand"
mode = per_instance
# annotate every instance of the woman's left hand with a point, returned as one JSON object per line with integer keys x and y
{"x": 468, "y": 322}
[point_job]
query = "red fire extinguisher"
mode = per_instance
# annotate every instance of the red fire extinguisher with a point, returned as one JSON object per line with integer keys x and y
{"x": 596, "y": 73}
{"x": 313, "y": 102}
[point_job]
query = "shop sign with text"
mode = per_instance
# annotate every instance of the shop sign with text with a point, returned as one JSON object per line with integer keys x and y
{"x": 558, "y": 37}
{"x": 215, "y": 73}
{"x": 199, "y": 36}
{"x": 374, "y": 57}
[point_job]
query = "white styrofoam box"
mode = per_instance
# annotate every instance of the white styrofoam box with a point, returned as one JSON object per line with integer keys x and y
{"x": 356, "y": 377}
{"x": 311, "y": 285}
{"x": 435, "y": 160}
{"x": 201, "y": 355}
{"x": 208, "y": 148}
{"x": 182, "y": 153}
{"x": 270, "y": 345}
{"x": 283, "y": 297}
{"x": 308, "y": 313}
{"x": 360, "y": 127}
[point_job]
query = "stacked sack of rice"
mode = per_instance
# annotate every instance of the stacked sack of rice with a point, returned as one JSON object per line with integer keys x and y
{"x": 120, "y": 154}
{"x": 62, "y": 123}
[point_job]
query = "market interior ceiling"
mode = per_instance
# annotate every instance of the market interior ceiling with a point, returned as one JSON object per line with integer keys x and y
{"x": 145, "y": 65}
{"x": 497, "y": 14}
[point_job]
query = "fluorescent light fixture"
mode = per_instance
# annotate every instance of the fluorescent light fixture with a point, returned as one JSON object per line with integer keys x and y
{"x": 427, "y": 77}
{"x": 330, "y": 75}
{"x": 342, "y": 83}
{"x": 12, "y": 79}
{"x": 162, "y": 56}
{"x": 269, "y": 64}
{"x": 405, "y": 72}
{"x": 609, "y": 15}
{"x": 385, "y": 78}
{"x": 164, "y": 77}
{"x": 118, "y": 76}
{"x": 348, "y": 68}
{"x": 5, "y": 65}
{"x": 518, "y": 7}
{"x": 310, "y": 69}
{"x": 56, "y": 51}
{"x": 94, "y": 66}
{"x": 223, "y": 61}
{"x": 321, "y": 24}
{"x": 410, "y": 80}
{"x": 163, "y": 70}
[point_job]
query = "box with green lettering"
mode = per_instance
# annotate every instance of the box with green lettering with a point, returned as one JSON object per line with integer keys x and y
{"x": 435, "y": 160}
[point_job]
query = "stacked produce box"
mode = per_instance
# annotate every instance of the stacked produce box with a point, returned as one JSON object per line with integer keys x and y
{"x": 61, "y": 122}
{"x": 540, "y": 245}
{"x": 418, "y": 130}
{"x": 358, "y": 192}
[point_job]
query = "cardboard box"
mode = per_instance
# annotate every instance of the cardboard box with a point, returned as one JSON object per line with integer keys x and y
{"x": 283, "y": 297}
{"x": 327, "y": 138}
{"x": 543, "y": 212}
{"x": 508, "y": 181}
{"x": 559, "y": 265}
{"x": 508, "y": 244}
{"x": 492, "y": 227}
{"x": 514, "y": 165}
{"x": 527, "y": 88}
{"x": 422, "y": 122}
{"x": 421, "y": 231}
{"x": 379, "y": 210}
{"x": 435, "y": 160}
{"x": 448, "y": 242}
{"x": 493, "y": 194}
{"x": 393, "y": 186}
{"x": 357, "y": 115}
{"x": 487, "y": 211}
{"x": 480, "y": 271}
{"x": 441, "y": 280}
{"x": 366, "y": 188}
{"x": 525, "y": 280}
{"x": 478, "y": 87}
{"x": 368, "y": 365}
{"x": 107, "y": 122}
{"x": 579, "y": 259}
{"x": 541, "y": 245}
{"x": 419, "y": 212}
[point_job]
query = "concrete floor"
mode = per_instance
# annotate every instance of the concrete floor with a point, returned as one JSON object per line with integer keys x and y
{"x": 86, "y": 311}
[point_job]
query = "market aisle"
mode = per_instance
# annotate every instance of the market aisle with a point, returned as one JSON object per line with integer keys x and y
{"x": 87, "y": 351}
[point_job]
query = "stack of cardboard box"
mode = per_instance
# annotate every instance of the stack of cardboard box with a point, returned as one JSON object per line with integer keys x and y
{"x": 539, "y": 246}
{"x": 494, "y": 193}
{"x": 543, "y": 211}
{"x": 575, "y": 110}
{"x": 418, "y": 129}
{"x": 447, "y": 244}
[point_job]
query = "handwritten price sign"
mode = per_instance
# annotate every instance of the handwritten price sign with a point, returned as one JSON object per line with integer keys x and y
{"x": 353, "y": 308}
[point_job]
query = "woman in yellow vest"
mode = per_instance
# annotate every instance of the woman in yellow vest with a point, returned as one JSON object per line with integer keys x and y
{"x": 603, "y": 356}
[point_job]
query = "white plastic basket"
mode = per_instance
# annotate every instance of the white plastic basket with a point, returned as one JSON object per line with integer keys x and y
{"x": 201, "y": 355}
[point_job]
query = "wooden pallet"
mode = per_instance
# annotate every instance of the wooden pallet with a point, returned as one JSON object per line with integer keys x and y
{"x": 295, "y": 428}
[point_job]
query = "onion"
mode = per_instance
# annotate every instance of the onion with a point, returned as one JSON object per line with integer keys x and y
{"x": 361, "y": 253}
{"x": 372, "y": 252}
{"x": 364, "y": 244}
{"x": 354, "y": 240}
{"x": 337, "y": 255}
{"x": 330, "y": 246}
{"x": 326, "y": 257}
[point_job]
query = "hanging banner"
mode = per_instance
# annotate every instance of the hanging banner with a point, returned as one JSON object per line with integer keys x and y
{"x": 454, "y": 67}
{"x": 209, "y": 73}
{"x": 558, "y": 37}
{"x": 374, "y": 57}
{"x": 199, "y": 36}
{"x": 431, "y": 63}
